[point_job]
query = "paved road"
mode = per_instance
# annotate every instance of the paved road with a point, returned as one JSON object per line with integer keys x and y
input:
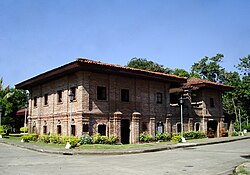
{"x": 210, "y": 159}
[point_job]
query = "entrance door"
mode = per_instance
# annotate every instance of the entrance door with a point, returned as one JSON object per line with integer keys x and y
{"x": 125, "y": 131}
{"x": 212, "y": 128}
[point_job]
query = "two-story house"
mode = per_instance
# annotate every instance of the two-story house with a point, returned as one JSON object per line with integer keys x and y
{"x": 107, "y": 99}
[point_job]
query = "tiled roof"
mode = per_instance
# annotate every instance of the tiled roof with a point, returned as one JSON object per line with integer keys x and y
{"x": 197, "y": 82}
{"x": 127, "y": 68}
{"x": 81, "y": 64}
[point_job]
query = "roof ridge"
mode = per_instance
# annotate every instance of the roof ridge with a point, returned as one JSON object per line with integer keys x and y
{"x": 126, "y": 67}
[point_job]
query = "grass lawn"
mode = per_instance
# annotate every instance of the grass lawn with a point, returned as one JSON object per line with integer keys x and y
{"x": 17, "y": 138}
{"x": 126, "y": 146}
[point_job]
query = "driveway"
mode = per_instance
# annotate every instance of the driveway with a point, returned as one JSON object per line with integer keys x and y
{"x": 209, "y": 159}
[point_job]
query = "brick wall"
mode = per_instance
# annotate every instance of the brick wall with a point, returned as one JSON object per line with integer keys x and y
{"x": 87, "y": 109}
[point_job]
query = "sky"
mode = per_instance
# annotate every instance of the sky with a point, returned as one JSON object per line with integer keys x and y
{"x": 39, "y": 35}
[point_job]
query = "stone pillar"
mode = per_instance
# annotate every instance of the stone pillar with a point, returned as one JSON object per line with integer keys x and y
{"x": 168, "y": 125}
{"x": 135, "y": 128}
{"x": 231, "y": 128}
{"x": 117, "y": 125}
{"x": 152, "y": 127}
{"x": 220, "y": 126}
{"x": 190, "y": 124}
{"x": 204, "y": 125}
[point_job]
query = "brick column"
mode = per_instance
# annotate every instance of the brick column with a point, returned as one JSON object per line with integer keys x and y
{"x": 135, "y": 128}
{"x": 152, "y": 127}
{"x": 117, "y": 125}
{"x": 231, "y": 128}
{"x": 168, "y": 125}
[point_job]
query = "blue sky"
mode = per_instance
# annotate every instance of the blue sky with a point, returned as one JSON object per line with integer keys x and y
{"x": 39, "y": 35}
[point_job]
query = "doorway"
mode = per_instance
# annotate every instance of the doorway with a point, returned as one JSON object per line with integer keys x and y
{"x": 125, "y": 131}
{"x": 212, "y": 128}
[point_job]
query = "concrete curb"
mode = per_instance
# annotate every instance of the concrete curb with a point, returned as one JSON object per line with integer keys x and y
{"x": 63, "y": 151}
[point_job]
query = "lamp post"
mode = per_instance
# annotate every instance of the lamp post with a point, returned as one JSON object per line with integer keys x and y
{"x": 71, "y": 98}
{"x": 181, "y": 101}
{"x": 0, "y": 119}
{"x": 25, "y": 116}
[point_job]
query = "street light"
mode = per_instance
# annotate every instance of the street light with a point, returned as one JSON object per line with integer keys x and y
{"x": 181, "y": 101}
{"x": 0, "y": 119}
{"x": 71, "y": 98}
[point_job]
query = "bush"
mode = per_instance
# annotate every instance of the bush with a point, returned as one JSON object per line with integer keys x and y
{"x": 235, "y": 133}
{"x": 24, "y": 129}
{"x": 30, "y": 137}
{"x": 112, "y": 140}
{"x": 55, "y": 138}
{"x": 246, "y": 126}
{"x": 194, "y": 135}
{"x": 44, "y": 138}
{"x": 145, "y": 137}
{"x": 34, "y": 137}
{"x": 4, "y": 129}
{"x": 163, "y": 137}
{"x": 86, "y": 139}
{"x": 98, "y": 139}
{"x": 176, "y": 138}
{"x": 26, "y": 138}
{"x": 72, "y": 140}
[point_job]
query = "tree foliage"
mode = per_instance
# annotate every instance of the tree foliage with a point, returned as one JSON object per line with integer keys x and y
{"x": 11, "y": 101}
{"x": 142, "y": 63}
{"x": 181, "y": 72}
{"x": 209, "y": 68}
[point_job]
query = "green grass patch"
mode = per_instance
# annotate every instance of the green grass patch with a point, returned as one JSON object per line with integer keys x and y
{"x": 105, "y": 146}
{"x": 242, "y": 171}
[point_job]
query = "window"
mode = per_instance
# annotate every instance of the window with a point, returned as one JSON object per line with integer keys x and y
{"x": 73, "y": 130}
{"x": 197, "y": 126}
{"x": 101, "y": 93}
{"x": 59, "y": 96}
{"x": 59, "y": 129}
{"x": 73, "y": 91}
{"x": 102, "y": 130}
{"x": 46, "y": 99}
{"x": 125, "y": 95}
{"x": 85, "y": 128}
{"x": 159, "y": 98}
{"x": 44, "y": 129}
{"x": 35, "y": 101}
{"x": 211, "y": 102}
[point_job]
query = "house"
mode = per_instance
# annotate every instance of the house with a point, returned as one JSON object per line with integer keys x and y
{"x": 107, "y": 99}
{"x": 203, "y": 110}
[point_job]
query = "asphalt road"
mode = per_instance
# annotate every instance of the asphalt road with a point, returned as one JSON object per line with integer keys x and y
{"x": 210, "y": 159}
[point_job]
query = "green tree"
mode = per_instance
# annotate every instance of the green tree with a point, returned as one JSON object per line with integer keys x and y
{"x": 11, "y": 101}
{"x": 242, "y": 91}
{"x": 209, "y": 68}
{"x": 142, "y": 63}
{"x": 181, "y": 72}
{"x": 244, "y": 65}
